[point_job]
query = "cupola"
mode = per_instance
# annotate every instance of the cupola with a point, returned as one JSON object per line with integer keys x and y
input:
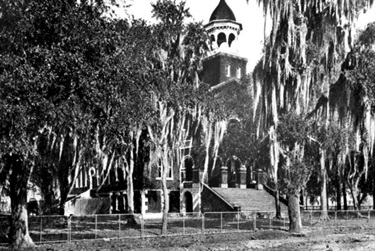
{"x": 223, "y": 28}
{"x": 222, "y": 12}
{"x": 223, "y": 65}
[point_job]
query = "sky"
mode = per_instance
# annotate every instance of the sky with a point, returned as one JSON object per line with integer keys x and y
{"x": 250, "y": 15}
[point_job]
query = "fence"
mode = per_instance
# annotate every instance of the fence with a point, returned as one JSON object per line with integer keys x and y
{"x": 340, "y": 219}
{"x": 333, "y": 208}
{"x": 46, "y": 229}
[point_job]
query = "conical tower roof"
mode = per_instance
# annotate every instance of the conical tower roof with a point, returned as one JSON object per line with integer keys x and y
{"x": 222, "y": 12}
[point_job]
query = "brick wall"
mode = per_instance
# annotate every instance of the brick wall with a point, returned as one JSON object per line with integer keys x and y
{"x": 214, "y": 68}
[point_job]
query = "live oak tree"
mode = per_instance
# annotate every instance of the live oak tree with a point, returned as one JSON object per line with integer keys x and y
{"x": 330, "y": 139}
{"x": 91, "y": 87}
{"x": 297, "y": 162}
{"x": 176, "y": 90}
{"x": 335, "y": 108}
{"x": 352, "y": 102}
{"x": 23, "y": 110}
{"x": 58, "y": 61}
{"x": 348, "y": 106}
{"x": 305, "y": 45}
{"x": 82, "y": 46}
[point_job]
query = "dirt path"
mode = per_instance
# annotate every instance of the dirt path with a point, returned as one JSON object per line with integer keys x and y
{"x": 314, "y": 239}
{"x": 358, "y": 242}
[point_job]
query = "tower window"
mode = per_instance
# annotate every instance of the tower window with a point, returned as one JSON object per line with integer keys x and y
{"x": 231, "y": 38}
{"x": 238, "y": 72}
{"x": 212, "y": 38}
{"x": 227, "y": 70}
{"x": 221, "y": 38}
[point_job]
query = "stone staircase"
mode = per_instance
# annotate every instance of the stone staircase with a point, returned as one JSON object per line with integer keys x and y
{"x": 249, "y": 199}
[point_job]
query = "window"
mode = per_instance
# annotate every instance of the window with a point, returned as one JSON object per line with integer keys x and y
{"x": 212, "y": 38}
{"x": 187, "y": 144}
{"x": 227, "y": 70}
{"x": 238, "y": 73}
{"x": 169, "y": 173}
{"x": 232, "y": 37}
{"x": 189, "y": 166}
{"x": 221, "y": 38}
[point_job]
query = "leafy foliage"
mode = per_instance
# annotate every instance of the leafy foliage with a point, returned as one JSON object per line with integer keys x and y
{"x": 298, "y": 155}
{"x": 73, "y": 87}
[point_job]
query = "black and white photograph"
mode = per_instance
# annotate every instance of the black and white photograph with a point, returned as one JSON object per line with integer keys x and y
{"x": 187, "y": 125}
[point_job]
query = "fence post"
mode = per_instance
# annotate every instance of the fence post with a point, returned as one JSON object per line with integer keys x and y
{"x": 166, "y": 219}
{"x": 142, "y": 227}
{"x": 270, "y": 222}
{"x": 183, "y": 225}
{"x": 202, "y": 232}
{"x": 96, "y": 226}
{"x": 255, "y": 221}
{"x": 67, "y": 235}
{"x": 238, "y": 221}
{"x": 40, "y": 230}
{"x": 69, "y": 228}
{"x": 368, "y": 215}
{"x": 221, "y": 222}
{"x": 119, "y": 225}
{"x": 335, "y": 217}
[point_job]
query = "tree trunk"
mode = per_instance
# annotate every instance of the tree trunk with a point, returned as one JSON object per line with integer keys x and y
{"x": 130, "y": 185}
{"x": 344, "y": 195}
{"x": 338, "y": 191}
{"x": 323, "y": 191}
{"x": 277, "y": 202}
{"x": 354, "y": 192}
{"x": 164, "y": 227}
{"x": 19, "y": 232}
{"x": 64, "y": 166}
{"x": 207, "y": 153}
{"x": 361, "y": 198}
{"x": 63, "y": 199}
{"x": 323, "y": 198}
{"x": 295, "y": 222}
{"x": 47, "y": 190}
{"x": 165, "y": 170}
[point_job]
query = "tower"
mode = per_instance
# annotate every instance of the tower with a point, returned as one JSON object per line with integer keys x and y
{"x": 223, "y": 64}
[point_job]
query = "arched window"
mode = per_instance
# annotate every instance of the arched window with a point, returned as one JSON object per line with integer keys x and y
{"x": 212, "y": 38}
{"x": 189, "y": 166}
{"x": 231, "y": 38}
{"x": 221, "y": 38}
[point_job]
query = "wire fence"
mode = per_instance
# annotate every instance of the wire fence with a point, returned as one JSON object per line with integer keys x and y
{"x": 48, "y": 229}
{"x": 340, "y": 219}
